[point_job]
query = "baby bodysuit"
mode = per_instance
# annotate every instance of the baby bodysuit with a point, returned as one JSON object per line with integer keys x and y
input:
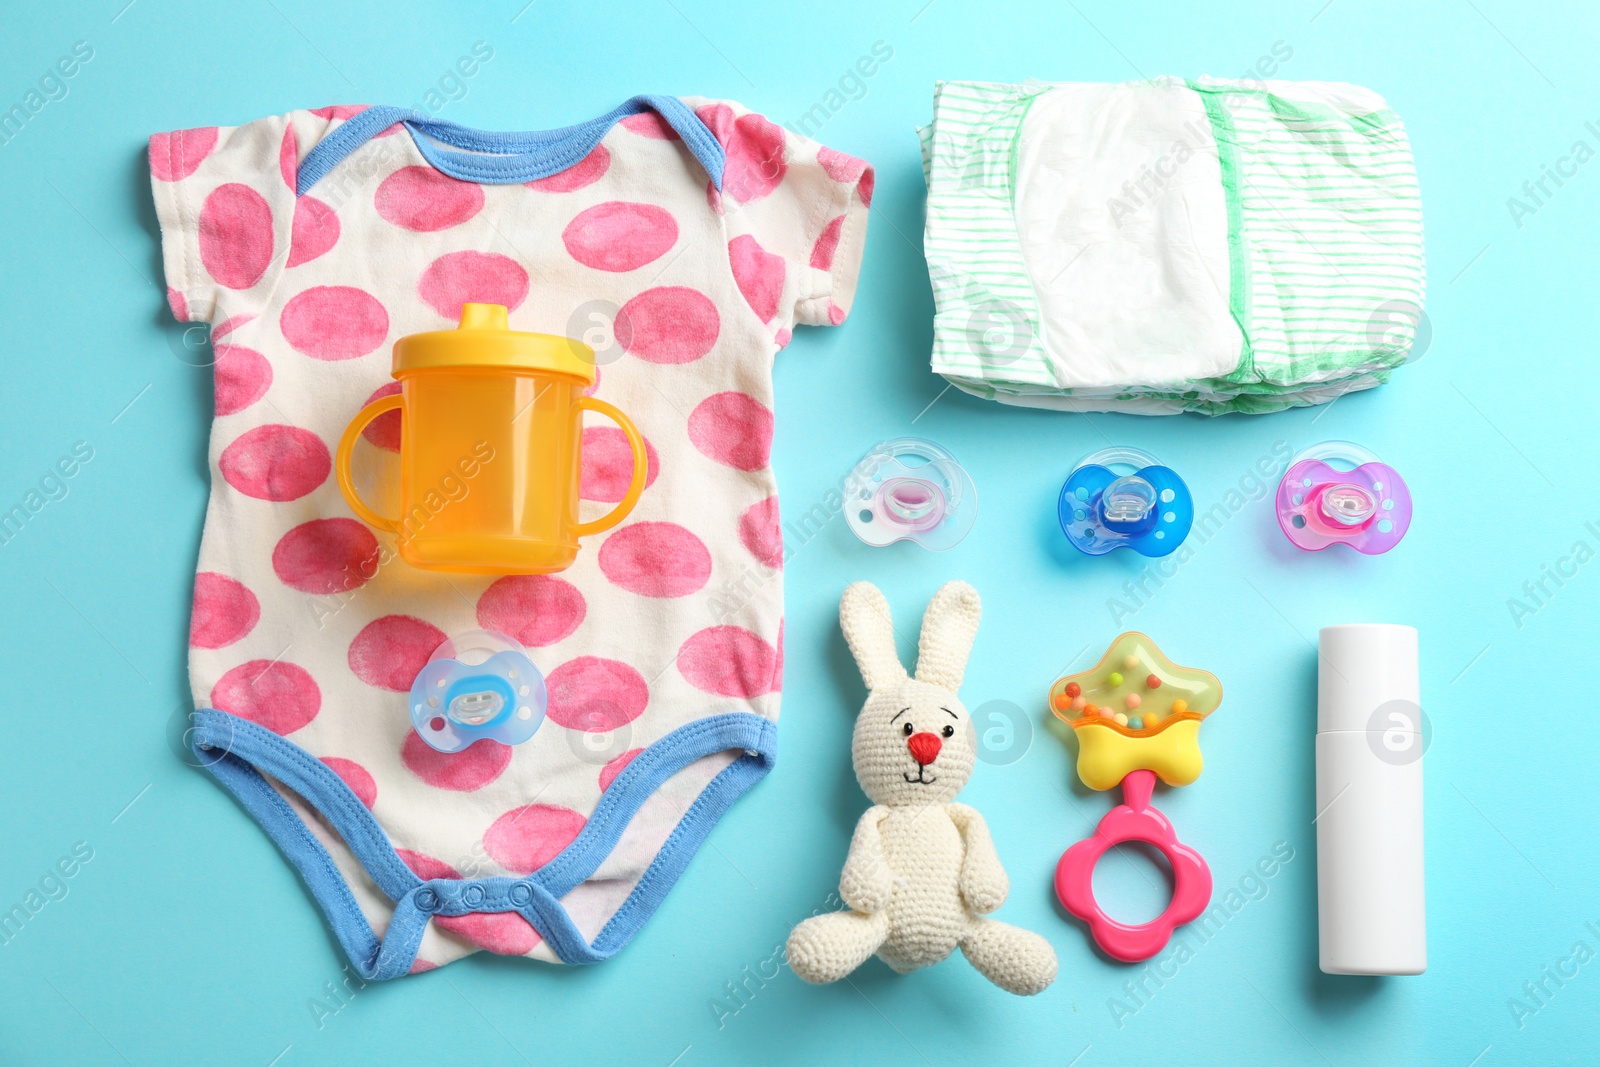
{"x": 683, "y": 239}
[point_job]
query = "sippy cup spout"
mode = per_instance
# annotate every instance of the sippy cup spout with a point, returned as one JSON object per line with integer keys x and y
{"x": 484, "y": 317}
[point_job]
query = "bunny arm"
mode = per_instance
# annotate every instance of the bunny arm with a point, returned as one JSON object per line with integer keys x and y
{"x": 866, "y": 883}
{"x": 983, "y": 882}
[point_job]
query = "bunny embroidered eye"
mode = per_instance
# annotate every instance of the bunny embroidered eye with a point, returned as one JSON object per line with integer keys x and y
{"x": 908, "y": 729}
{"x": 949, "y": 731}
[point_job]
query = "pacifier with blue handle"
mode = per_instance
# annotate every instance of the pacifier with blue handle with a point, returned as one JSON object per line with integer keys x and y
{"x": 910, "y": 488}
{"x": 480, "y": 684}
{"x": 1125, "y": 498}
{"x": 1338, "y": 493}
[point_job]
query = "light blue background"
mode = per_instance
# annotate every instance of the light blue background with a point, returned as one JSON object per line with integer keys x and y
{"x": 188, "y": 939}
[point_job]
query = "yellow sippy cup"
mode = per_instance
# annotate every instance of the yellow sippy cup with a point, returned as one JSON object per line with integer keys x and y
{"x": 491, "y": 448}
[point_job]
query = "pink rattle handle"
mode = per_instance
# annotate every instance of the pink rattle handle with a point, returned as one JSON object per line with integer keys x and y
{"x": 1133, "y": 820}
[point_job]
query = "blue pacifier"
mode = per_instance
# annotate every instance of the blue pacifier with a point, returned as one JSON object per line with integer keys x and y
{"x": 911, "y": 489}
{"x": 476, "y": 685}
{"x": 1125, "y": 498}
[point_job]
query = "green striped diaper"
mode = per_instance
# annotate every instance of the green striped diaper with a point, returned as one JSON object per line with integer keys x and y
{"x": 1166, "y": 246}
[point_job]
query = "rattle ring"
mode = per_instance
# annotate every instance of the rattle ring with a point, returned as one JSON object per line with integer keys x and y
{"x": 1133, "y": 820}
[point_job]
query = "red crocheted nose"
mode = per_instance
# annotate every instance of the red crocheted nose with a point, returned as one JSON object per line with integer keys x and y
{"x": 924, "y": 747}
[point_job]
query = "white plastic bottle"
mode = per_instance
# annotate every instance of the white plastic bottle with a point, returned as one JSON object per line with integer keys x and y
{"x": 1371, "y": 912}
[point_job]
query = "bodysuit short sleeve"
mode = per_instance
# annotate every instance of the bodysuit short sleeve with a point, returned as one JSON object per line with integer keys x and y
{"x": 226, "y": 203}
{"x": 796, "y": 216}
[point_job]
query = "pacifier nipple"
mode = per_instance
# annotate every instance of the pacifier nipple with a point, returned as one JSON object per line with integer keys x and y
{"x": 911, "y": 489}
{"x": 1348, "y": 504}
{"x": 1124, "y": 498}
{"x": 1340, "y": 493}
{"x": 476, "y": 685}
{"x": 1127, "y": 502}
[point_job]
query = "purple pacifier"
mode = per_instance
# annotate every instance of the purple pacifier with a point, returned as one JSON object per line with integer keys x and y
{"x": 910, "y": 489}
{"x": 1356, "y": 501}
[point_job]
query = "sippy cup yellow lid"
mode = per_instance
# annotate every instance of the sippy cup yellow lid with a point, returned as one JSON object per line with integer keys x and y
{"x": 485, "y": 339}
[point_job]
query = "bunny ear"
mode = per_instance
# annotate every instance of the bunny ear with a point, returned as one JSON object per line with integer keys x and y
{"x": 864, "y": 617}
{"x": 948, "y": 630}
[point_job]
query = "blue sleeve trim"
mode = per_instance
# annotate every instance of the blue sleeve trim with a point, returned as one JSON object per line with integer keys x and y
{"x": 238, "y": 752}
{"x": 504, "y": 158}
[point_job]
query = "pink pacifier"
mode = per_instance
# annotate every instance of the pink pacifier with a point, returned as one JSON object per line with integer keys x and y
{"x": 1137, "y": 716}
{"x": 910, "y": 489}
{"x": 1353, "y": 500}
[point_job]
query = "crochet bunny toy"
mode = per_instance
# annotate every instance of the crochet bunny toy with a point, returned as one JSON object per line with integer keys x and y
{"x": 922, "y": 871}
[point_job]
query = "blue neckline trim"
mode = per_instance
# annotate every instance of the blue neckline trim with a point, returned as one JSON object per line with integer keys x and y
{"x": 238, "y": 751}
{"x": 493, "y": 158}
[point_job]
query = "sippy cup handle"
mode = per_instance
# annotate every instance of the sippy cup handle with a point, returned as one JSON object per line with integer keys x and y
{"x": 341, "y": 461}
{"x": 641, "y": 466}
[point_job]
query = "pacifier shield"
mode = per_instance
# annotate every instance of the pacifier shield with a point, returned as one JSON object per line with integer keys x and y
{"x": 480, "y": 684}
{"x": 1338, "y": 493}
{"x": 910, "y": 488}
{"x": 1125, "y": 498}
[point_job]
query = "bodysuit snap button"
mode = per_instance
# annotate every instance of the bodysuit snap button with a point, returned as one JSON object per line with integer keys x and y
{"x": 427, "y": 900}
{"x": 521, "y": 894}
{"x": 473, "y": 896}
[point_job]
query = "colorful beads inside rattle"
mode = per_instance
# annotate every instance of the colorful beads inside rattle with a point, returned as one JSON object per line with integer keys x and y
{"x": 1136, "y": 690}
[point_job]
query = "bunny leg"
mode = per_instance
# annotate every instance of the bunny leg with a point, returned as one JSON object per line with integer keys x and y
{"x": 825, "y": 948}
{"x": 1017, "y": 960}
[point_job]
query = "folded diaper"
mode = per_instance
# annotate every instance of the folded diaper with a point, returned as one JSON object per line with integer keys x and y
{"x": 1166, "y": 246}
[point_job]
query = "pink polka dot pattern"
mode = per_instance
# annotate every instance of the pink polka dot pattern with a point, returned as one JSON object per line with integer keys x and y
{"x": 241, "y": 376}
{"x": 760, "y": 532}
{"x": 713, "y": 199}
{"x": 608, "y": 464}
{"x": 326, "y": 556}
{"x": 458, "y": 278}
{"x": 536, "y": 609}
{"x": 389, "y": 651}
{"x": 759, "y": 275}
{"x": 177, "y": 304}
{"x": 823, "y": 251}
{"x": 423, "y": 200}
{"x": 729, "y": 661}
{"x": 235, "y": 235}
{"x": 314, "y": 231}
{"x": 505, "y": 933}
{"x": 668, "y": 324}
{"x": 421, "y": 966}
{"x": 655, "y": 559}
{"x": 174, "y": 156}
{"x": 783, "y": 337}
{"x": 224, "y": 611}
{"x": 609, "y": 772}
{"x": 384, "y": 431}
{"x": 649, "y": 124}
{"x": 755, "y": 164}
{"x": 526, "y": 838}
{"x": 588, "y": 170}
{"x": 276, "y": 462}
{"x": 734, "y": 429}
{"x": 835, "y": 314}
{"x": 777, "y": 668}
{"x": 460, "y": 772}
{"x": 288, "y": 157}
{"x": 619, "y": 236}
{"x": 841, "y": 167}
{"x": 356, "y": 777}
{"x": 334, "y": 322}
{"x": 595, "y": 695}
{"x": 275, "y": 694}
